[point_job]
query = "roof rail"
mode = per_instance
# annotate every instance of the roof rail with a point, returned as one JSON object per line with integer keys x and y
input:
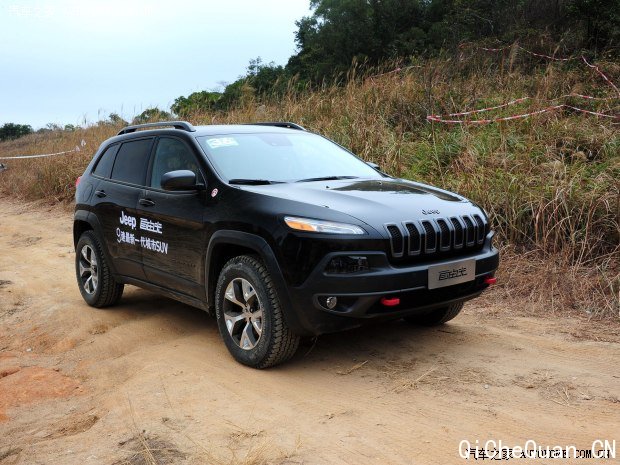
{"x": 280, "y": 125}
{"x": 184, "y": 125}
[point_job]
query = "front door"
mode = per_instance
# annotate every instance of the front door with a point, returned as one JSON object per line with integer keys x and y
{"x": 172, "y": 232}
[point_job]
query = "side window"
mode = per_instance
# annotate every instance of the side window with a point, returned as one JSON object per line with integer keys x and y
{"x": 131, "y": 161}
{"x": 106, "y": 161}
{"x": 172, "y": 155}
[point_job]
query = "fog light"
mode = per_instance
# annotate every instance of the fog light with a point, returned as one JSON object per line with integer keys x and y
{"x": 331, "y": 302}
{"x": 347, "y": 264}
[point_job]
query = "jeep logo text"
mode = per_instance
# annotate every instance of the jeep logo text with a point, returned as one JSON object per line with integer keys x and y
{"x": 128, "y": 220}
{"x": 430, "y": 212}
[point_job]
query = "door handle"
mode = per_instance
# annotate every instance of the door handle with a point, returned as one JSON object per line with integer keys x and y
{"x": 146, "y": 202}
{"x": 100, "y": 193}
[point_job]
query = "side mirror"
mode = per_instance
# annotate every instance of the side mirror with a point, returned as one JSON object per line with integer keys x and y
{"x": 180, "y": 180}
{"x": 373, "y": 165}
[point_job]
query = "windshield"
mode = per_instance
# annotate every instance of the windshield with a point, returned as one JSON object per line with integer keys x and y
{"x": 281, "y": 157}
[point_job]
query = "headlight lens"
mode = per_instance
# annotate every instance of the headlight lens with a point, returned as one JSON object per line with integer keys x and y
{"x": 321, "y": 226}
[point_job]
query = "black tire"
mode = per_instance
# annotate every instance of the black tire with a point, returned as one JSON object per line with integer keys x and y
{"x": 104, "y": 290}
{"x": 436, "y": 317}
{"x": 275, "y": 342}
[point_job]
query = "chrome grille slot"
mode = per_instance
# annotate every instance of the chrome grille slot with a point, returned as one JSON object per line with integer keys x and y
{"x": 459, "y": 238}
{"x": 481, "y": 229}
{"x": 445, "y": 239}
{"x": 431, "y": 237}
{"x": 470, "y": 233}
{"x": 415, "y": 240}
{"x": 397, "y": 240}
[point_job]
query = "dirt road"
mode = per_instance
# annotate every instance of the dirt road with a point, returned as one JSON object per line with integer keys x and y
{"x": 149, "y": 380}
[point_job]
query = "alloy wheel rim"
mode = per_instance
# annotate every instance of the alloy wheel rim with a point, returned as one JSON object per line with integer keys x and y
{"x": 88, "y": 269}
{"x": 243, "y": 313}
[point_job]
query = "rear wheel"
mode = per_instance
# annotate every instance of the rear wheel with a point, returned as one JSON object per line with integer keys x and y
{"x": 95, "y": 280}
{"x": 249, "y": 316}
{"x": 436, "y": 317}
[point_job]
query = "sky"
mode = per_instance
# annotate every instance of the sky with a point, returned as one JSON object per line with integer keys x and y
{"x": 68, "y": 61}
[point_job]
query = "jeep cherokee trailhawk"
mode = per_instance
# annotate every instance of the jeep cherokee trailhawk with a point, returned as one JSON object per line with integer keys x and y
{"x": 279, "y": 232}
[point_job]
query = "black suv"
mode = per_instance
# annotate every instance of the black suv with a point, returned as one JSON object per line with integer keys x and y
{"x": 279, "y": 232}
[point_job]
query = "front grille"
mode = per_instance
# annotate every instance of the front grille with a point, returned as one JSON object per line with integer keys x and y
{"x": 432, "y": 236}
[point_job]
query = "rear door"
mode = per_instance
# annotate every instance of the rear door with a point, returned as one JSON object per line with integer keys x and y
{"x": 172, "y": 231}
{"x": 121, "y": 174}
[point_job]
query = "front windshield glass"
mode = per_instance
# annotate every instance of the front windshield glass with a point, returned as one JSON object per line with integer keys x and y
{"x": 281, "y": 157}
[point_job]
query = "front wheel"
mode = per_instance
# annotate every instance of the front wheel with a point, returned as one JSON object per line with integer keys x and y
{"x": 436, "y": 317}
{"x": 249, "y": 316}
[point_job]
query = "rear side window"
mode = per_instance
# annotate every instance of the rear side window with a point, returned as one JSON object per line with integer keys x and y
{"x": 131, "y": 161}
{"x": 106, "y": 161}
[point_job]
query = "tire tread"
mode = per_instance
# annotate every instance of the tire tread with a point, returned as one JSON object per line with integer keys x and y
{"x": 284, "y": 343}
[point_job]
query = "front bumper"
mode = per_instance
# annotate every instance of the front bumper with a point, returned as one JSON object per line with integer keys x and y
{"x": 360, "y": 294}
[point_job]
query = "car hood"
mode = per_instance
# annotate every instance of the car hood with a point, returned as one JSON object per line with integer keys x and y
{"x": 373, "y": 201}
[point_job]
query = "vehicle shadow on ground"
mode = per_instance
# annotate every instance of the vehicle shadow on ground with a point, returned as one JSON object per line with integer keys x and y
{"x": 384, "y": 340}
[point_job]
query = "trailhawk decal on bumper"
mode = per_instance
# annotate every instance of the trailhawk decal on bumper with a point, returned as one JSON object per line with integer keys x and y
{"x": 448, "y": 274}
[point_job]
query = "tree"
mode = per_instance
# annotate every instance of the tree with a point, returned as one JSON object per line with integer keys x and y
{"x": 367, "y": 32}
{"x": 115, "y": 120}
{"x": 14, "y": 131}
{"x": 196, "y": 102}
{"x": 152, "y": 115}
{"x": 600, "y": 20}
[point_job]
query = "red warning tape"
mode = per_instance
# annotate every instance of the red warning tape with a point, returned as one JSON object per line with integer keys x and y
{"x": 539, "y": 55}
{"x": 523, "y": 99}
{"x": 394, "y": 71}
{"x": 508, "y": 47}
{"x": 596, "y": 68}
{"x": 549, "y": 57}
{"x": 440, "y": 119}
{"x": 481, "y": 110}
{"x": 588, "y": 97}
{"x": 444, "y": 118}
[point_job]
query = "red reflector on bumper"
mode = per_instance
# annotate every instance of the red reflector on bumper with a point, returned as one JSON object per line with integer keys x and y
{"x": 390, "y": 302}
{"x": 490, "y": 280}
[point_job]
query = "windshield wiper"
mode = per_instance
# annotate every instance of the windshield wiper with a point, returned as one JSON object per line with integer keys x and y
{"x": 328, "y": 178}
{"x": 253, "y": 182}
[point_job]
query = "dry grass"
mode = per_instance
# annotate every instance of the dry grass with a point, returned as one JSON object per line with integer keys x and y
{"x": 143, "y": 449}
{"x": 551, "y": 183}
{"x": 53, "y": 178}
{"x": 555, "y": 285}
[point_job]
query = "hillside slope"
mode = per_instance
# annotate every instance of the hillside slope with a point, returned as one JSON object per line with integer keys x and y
{"x": 550, "y": 181}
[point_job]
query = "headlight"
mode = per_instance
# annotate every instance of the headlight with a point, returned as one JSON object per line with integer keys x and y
{"x": 320, "y": 226}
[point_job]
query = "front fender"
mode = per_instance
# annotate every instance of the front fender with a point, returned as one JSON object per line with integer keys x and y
{"x": 260, "y": 246}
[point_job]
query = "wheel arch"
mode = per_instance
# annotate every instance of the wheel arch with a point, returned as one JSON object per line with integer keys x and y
{"x": 226, "y": 244}
{"x": 80, "y": 225}
{"x": 86, "y": 221}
